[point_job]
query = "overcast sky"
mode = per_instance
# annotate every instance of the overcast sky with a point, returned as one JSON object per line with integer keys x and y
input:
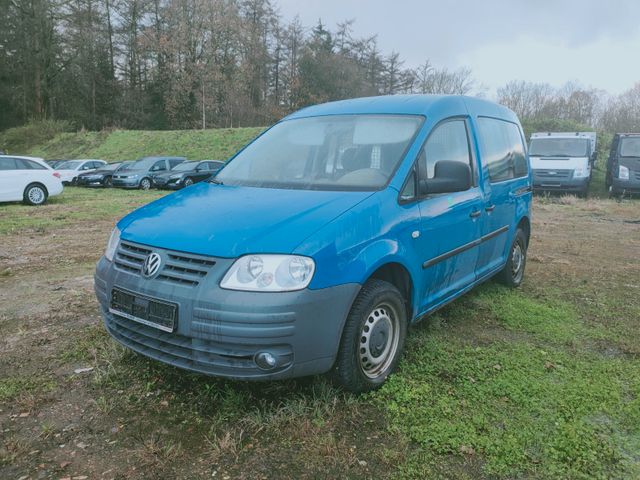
{"x": 596, "y": 43}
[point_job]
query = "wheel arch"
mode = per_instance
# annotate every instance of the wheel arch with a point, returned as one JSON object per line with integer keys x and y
{"x": 525, "y": 225}
{"x": 399, "y": 276}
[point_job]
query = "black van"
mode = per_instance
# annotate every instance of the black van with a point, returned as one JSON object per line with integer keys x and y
{"x": 623, "y": 165}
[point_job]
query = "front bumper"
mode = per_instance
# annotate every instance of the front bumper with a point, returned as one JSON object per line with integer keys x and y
{"x": 166, "y": 184}
{"x": 125, "y": 182}
{"x": 559, "y": 181}
{"x": 219, "y": 331}
{"x": 627, "y": 186}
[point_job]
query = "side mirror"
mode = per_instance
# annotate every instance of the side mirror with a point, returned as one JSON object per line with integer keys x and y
{"x": 449, "y": 176}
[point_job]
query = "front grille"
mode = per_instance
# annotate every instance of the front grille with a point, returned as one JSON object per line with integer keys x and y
{"x": 177, "y": 268}
{"x": 637, "y": 175}
{"x": 551, "y": 174}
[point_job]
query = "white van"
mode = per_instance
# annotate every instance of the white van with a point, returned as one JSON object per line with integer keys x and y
{"x": 562, "y": 161}
{"x": 28, "y": 179}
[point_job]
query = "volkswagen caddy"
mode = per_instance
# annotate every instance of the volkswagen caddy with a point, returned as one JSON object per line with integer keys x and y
{"x": 319, "y": 243}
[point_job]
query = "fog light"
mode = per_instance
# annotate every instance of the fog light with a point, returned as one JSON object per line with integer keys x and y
{"x": 265, "y": 360}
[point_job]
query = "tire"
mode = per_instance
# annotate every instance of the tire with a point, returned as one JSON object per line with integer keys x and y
{"x": 513, "y": 272}
{"x": 188, "y": 182}
{"x": 145, "y": 184}
{"x": 377, "y": 315}
{"x": 74, "y": 181}
{"x": 35, "y": 194}
{"x": 107, "y": 182}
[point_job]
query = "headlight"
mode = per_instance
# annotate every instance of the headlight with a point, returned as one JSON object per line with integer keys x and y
{"x": 581, "y": 172}
{"x": 114, "y": 240}
{"x": 623, "y": 173}
{"x": 269, "y": 273}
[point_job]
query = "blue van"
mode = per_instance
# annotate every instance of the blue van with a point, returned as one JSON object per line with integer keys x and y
{"x": 319, "y": 244}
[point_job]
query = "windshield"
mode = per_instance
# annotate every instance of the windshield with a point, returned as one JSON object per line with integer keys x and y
{"x": 334, "y": 152}
{"x": 142, "y": 164}
{"x": 630, "y": 147}
{"x": 123, "y": 165}
{"x": 558, "y": 147}
{"x": 110, "y": 166}
{"x": 183, "y": 167}
{"x": 69, "y": 165}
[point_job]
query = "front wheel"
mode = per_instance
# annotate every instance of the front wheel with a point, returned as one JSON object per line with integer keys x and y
{"x": 108, "y": 182}
{"x": 513, "y": 272}
{"x": 188, "y": 182}
{"x": 372, "y": 339}
{"x": 145, "y": 184}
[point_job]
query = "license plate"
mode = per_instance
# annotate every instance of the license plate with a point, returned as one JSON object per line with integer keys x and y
{"x": 146, "y": 310}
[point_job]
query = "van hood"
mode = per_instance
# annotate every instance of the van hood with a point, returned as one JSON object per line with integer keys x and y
{"x": 230, "y": 221}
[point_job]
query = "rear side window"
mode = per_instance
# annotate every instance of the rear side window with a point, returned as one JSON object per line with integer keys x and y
{"x": 502, "y": 149}
{"x": 8, "y": 164}
{"x": 29, "y": 164}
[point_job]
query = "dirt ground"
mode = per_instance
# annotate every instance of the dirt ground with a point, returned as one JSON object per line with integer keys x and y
{"x": 75, "y": 405}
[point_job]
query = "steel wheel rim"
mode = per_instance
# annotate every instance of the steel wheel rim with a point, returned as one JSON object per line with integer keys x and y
{"x": 36, "y": 195}
{"x": 517, "y": 260}
{"x": 379, "y": 339}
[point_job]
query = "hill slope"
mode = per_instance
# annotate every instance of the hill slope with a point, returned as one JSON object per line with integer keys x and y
{"x": 113, "y": 145}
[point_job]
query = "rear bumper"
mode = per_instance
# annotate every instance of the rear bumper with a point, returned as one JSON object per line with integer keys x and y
{"x": 219, "y": 332}
{"x": 85, "y": 182}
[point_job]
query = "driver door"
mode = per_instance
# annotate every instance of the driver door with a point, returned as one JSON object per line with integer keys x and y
{"x": 450, "y": 222}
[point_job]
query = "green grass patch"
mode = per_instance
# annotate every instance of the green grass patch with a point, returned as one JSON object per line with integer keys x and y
{"x": 74, "y": 205}
{"x": 112, "y": 145}
{"x": 14, "y": 387}
{"x": 519, "y": 408}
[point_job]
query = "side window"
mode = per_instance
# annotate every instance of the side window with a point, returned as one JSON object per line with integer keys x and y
{"x": 32, "y": 165}
{"x": 8, "y": 163}
{"x": 502, "y": 149}
{"x": 449, "y": 141}
{"x": 158, "y": 166}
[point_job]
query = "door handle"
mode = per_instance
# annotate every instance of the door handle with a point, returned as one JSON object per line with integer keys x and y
{"x": 475, "y": 214}
{"x": 489, "y": 208}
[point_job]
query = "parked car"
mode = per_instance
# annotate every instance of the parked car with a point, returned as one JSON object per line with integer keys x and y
{"x": 623, "y": 165}
{"x": 139, "y": 173}
{"x": 54, "y": 163}
{"x": 70, "y": 169}
{"x": 186, "y": 174}
{"x": 319, "y": 243}
{"x": 562, "y": 161}
{"x": 101, "y": 177}
{"x": 28, "y": 179}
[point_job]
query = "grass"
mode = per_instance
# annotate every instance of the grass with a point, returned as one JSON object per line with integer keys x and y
{"x": 112, "y": 145}
{"x": 75, "y": 205}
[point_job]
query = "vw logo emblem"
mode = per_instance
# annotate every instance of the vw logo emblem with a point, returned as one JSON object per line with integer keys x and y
{"x": 151, "y": 265}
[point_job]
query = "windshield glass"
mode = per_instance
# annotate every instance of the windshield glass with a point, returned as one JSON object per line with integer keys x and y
{"x": 69, "y": 165}
{"x": 558, "y": 147}
{"x": 124, "y": 165}
{"x": 142, "y": 164}
{"x": 334, "y": 152}
{"x": 183, "y": 167}
{"x": 110, "y": 166}
{"x": 630, "y": 147}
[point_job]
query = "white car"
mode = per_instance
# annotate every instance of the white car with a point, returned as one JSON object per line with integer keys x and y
{"x": 28, "y": 179}
{"x": 70, "y": 169}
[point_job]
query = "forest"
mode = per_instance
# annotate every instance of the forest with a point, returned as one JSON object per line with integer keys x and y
{"x": 187, "y": 64}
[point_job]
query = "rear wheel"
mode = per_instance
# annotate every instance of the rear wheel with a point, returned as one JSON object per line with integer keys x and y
{"x": 145, "y": 184}
{"x": 372, "y": 339}
{"x": 35, "y": 194}
{"x": 513, "y": 272}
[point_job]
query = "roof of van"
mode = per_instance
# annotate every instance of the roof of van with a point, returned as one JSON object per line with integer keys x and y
{"x": 428, "y": 105}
